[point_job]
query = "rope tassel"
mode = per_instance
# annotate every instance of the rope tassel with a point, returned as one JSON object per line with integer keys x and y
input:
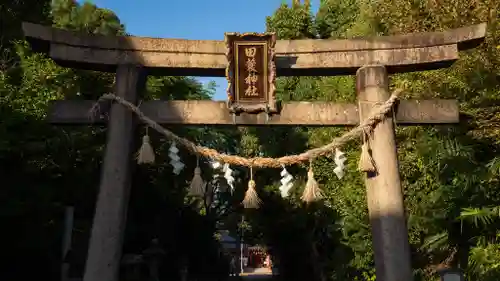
{"x": 197, "y": 186}
{"x": 251, "y": 200}
{"x": 312, "y": 192}
{"x": 366, "y": 163}
{"x": 146, "y": 154}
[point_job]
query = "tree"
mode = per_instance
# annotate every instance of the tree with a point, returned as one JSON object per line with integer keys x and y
{"x": 48, "y": 167}
{"x": 444, "y": 168}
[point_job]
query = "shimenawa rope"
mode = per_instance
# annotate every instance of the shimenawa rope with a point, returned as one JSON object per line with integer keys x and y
{"x": 377, "y": 115}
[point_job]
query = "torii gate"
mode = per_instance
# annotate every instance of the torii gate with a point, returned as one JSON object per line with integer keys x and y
{"x": 370, "y": 59}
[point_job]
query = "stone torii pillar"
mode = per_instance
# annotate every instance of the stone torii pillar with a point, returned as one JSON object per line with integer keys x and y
{"x": 106, "y": 238}
{"x": 383, "y": 187}
{"x": 375, "y": 58}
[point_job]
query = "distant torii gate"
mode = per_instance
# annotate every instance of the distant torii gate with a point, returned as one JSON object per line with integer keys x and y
{"x": 370, "y": 59}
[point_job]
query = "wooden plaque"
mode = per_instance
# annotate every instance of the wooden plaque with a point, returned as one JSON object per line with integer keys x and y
{"x": 251, "y": 72}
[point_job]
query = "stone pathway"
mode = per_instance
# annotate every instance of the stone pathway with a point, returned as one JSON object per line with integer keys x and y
{"x": 257, "y": 277}
{"x": 258, "y": 274}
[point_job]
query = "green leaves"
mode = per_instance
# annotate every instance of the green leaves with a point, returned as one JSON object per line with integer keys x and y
{"x": 86, "y": 17}
{"x": 291, "y": 22}
{"x": 45, "y": 167}
{"x": 450, "y": 173}
{"x": 480, "y": 216}
{"x": 335, "y": 18}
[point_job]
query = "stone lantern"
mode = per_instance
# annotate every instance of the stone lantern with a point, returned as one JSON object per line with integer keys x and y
{"x": 153, "y": 256}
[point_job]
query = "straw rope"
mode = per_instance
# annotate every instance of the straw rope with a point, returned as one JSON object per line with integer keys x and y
{"x": 377, "y": 115}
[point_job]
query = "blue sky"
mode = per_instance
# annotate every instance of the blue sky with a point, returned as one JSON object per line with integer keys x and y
{"x": 193, "y": 19}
